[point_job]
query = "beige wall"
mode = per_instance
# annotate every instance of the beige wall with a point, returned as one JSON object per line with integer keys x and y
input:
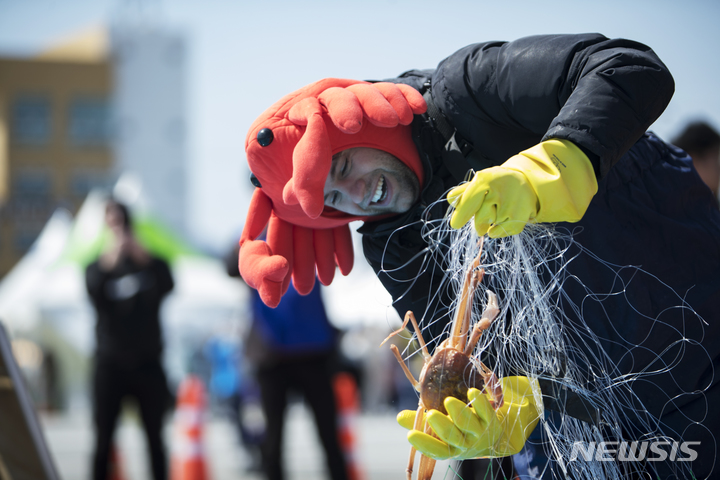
{"x": 58, "y": 160}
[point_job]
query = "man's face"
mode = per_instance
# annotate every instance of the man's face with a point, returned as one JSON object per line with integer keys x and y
{"x": 366, "y": 181}
{"x": 115, "y": 219}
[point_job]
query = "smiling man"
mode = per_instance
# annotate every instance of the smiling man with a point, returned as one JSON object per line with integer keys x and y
{"x": 547, "y": 129}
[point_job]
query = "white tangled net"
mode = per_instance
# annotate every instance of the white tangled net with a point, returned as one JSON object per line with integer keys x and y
{"x": 542, "y": 333}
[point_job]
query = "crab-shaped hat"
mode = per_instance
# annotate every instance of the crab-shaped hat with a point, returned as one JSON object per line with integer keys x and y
{"x": 289, "y": 150}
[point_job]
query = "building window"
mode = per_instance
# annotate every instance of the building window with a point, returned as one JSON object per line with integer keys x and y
{"x": 89, "y": 121}
{"x": 32, "y": 186}
{"x": 30, "y": 204}
{"x": 30, "y": 122}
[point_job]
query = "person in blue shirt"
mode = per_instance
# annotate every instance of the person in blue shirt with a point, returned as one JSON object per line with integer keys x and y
{"x": 293, "y": 349}
{"x": 293, "y": 346}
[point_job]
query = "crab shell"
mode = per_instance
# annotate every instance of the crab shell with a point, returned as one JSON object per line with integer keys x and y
{"x": 449, "y": 373}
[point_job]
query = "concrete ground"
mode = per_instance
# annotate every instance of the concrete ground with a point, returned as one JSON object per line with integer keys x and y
{"x": 382, "y": 449}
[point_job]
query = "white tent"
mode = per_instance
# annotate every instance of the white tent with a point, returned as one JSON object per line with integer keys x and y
{"x": 44, "y": 291}
{"x": 23, "y": 289}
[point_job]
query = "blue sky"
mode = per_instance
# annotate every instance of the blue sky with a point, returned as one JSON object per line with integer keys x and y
{"x": 244, "y": 55}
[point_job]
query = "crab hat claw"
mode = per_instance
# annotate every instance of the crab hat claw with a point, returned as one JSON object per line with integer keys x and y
{"x": 290, "y": 252}
{"x": 268, "y": 270}
{"x": 311, "y": 159}
{"x": 259, "y": 267}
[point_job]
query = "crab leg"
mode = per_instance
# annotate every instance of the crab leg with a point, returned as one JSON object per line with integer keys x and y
{"x": 399, "y": 330}
{"x": 419, "y": 417}
{"x": 406, "y": 370}
{"x": 427, "y": 464}
{"x": 474, "y": 338}
{"x": 426, "y": 468}
{"x": 491, "y": 311}
{"x": 493, "y": 385}
{"x": 410, "y": 317}
{"x": 411, "y": 462}
{"x": 461, "y": 322}
{"x": 425, "y": 353}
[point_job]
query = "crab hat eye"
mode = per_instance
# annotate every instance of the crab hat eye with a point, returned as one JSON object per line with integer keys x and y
{"x": 254, "y": 180}
{"x": 265, "y": 137}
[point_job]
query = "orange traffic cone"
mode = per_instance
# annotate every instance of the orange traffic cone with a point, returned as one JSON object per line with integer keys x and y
{"x": 348, "y": 405}
{"x": 115, "y": 471}
{"x": 188, "y": 457}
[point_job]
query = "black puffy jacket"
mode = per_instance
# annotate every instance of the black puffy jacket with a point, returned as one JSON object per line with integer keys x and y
{"x": 503, "y": 98}
{"x": 651, "y": 210}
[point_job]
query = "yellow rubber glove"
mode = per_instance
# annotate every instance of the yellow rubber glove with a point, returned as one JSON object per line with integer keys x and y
{"x": 477, "y": 430}
{"x": 553, "y": 181}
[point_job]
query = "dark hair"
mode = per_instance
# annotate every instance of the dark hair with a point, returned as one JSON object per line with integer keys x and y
{"x": 124, "y": 211}
{"x": 698, "y": 137}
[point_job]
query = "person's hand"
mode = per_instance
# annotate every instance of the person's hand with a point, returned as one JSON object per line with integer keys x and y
{"x": 553, "y": 181}
{"x": 125, "y": 245}
{"x": 135, "y": 250}
{"x": 477, "y": 430}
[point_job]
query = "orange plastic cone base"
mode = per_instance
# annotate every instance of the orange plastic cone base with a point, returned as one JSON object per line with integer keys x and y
{"x": 348, "y": 406}
{"x": 191, "y": 469}
{"x": 188, "y": 456}
{"x": 115, "y": 471}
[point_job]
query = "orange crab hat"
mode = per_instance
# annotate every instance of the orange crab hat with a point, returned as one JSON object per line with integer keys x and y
{"x": 289, "y": 150}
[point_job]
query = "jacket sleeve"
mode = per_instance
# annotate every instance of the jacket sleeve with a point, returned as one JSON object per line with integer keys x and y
{"x": 599, "y": 93}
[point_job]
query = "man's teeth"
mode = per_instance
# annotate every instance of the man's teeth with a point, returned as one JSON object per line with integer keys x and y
{"x": 378, "y": 190}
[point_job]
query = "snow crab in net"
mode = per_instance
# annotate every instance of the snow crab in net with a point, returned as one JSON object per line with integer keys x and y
{"x": 451, "y": 370}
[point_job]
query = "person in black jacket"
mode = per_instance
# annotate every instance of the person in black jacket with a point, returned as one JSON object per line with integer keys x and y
{"x": 126, "y": 286}
{"x": 555, "y": 128}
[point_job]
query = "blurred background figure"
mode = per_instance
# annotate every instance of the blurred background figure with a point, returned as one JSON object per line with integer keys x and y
{"x": 232, "y": 389}
{"x": 293, "y": 349}
{"x": 126, "y": 286}
{"x": 702, "y": 143}
{"x": 52, "y": 384}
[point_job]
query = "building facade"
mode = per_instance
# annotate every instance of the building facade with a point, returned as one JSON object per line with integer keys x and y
{"x": 102, "y": 105}
{"x": 55, "y": 141}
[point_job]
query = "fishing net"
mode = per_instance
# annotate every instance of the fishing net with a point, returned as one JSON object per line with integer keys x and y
{"x": 582, "y": 328}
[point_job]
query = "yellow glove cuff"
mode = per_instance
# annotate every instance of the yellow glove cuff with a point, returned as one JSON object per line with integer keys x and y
{"x": 518, "y": 416}
{"x": 561, "y": 175}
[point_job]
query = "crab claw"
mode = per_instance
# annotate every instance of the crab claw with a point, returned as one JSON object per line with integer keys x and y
{"x": 343, "y": 108}
{"x": 263, "y": 271}
{"x": 265, "y": 266}
{"x": 384, "y": 104}
{"x": 312, "y": 159}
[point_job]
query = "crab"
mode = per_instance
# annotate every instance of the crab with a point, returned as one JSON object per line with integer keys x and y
{"x": 451, "y": 370}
